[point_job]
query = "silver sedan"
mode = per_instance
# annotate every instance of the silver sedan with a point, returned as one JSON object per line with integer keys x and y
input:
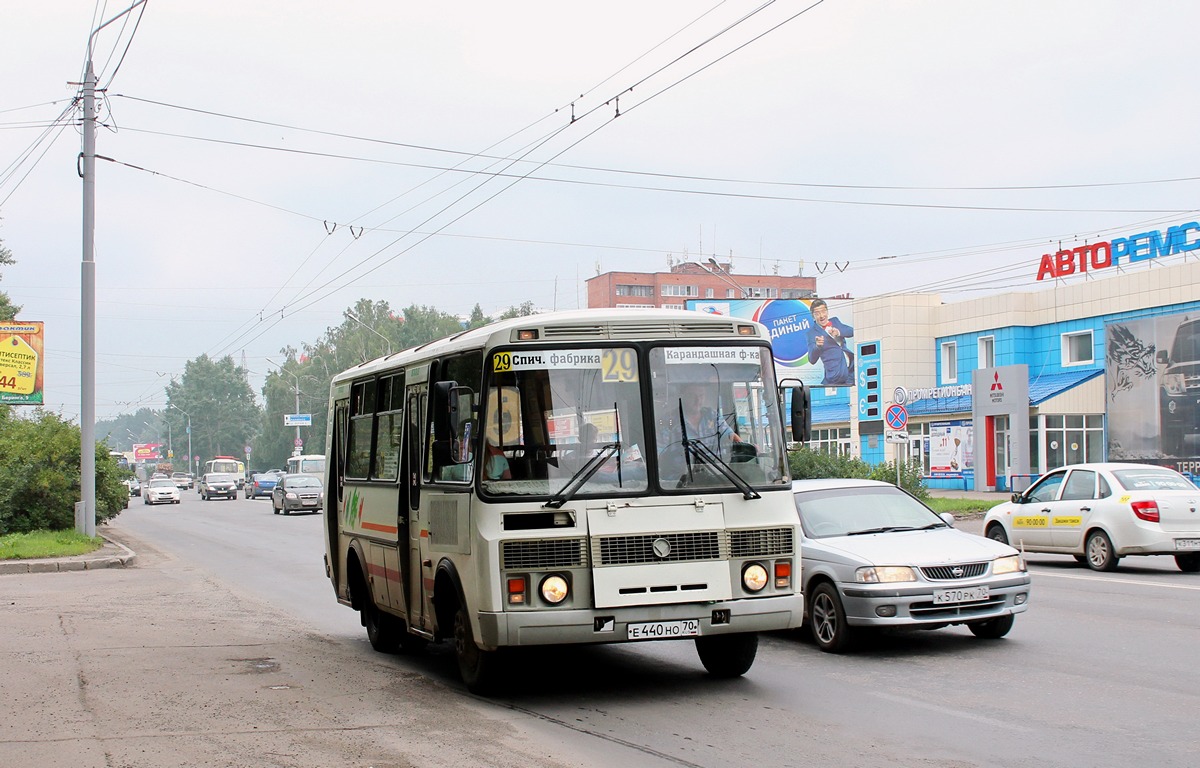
{"x": 872, "y": 555}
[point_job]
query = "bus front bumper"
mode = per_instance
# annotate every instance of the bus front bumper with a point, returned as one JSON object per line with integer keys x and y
{"x": 550, "y": 627}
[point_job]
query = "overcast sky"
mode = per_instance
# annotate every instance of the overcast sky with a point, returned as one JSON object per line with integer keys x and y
{"x": 272, "y": 162}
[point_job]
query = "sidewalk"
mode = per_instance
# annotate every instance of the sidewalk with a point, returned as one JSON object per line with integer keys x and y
{"x": 113, "y": 554}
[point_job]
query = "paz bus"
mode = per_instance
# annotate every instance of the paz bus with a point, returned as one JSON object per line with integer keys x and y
{"x": 306, "y": 464}
{"x": 228, "y": 465}
{"x": 541, "y": 481}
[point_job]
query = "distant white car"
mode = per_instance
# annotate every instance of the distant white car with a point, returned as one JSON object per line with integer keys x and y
{"x": 1102, "y": 512}
{"x": 872, "y": 555}
{"x": 160, "y": 490}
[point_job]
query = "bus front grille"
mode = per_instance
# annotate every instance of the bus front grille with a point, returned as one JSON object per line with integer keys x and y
{"x": 540, "y": 554}
{"x": 762, "y": 542}
{"x": 672, "y": 548}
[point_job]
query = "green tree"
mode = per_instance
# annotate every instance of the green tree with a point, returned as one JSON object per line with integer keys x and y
{"x": 8, "y": 310}
{"x": 478, "y": 318}
{"x": 524, "y": 309}
{"x": 40, "y": 471}
{"x": 217, "y": 394}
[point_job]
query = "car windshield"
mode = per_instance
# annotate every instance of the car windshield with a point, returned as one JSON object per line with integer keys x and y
{"x": 161, "y": 484}
{"x": 303, "y": 482}
{"x": 1152, "y": 479}
{"x": 220, "y": 478}
{"x": 862, "y": 510}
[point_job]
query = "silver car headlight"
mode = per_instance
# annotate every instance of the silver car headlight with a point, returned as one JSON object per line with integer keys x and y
{"x": 884, "y": 574}
{"x": 1009, "y": 564}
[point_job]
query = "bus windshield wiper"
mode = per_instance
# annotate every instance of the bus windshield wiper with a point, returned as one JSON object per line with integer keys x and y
{"x": 582, "y": 475}
{"x": 701, "y": 451}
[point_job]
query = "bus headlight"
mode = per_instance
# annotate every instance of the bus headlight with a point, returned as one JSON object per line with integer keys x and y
{"x": 554, "y": 589}
{"x": 754, "y": 577}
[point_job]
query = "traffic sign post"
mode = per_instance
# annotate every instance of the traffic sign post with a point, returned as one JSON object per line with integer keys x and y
{"x": 897, "y": 419}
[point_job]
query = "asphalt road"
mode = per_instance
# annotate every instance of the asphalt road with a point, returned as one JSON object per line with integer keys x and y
{"x": 1100, "y": 672}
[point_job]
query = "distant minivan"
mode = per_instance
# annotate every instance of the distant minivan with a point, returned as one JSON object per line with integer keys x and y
{"x": 1179, "y": 394}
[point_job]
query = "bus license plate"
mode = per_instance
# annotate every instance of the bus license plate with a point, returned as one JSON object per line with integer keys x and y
{"x": 661, "y": 630}
{"x": 1187, "y": 543}
{"x": 945, "y": 596}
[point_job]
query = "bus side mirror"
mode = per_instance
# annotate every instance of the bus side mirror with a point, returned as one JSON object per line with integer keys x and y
{"x": 801, "y": 412}
{"x": 452, "y": 422}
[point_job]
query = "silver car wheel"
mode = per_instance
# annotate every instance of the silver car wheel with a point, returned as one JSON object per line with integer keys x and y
{"x": 827, "y": 620}
{"x": 1100, "y": 556}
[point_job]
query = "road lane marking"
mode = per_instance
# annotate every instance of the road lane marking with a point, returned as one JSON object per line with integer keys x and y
{"x": 907, "y": 701}
{"x": 1114, "y": 580}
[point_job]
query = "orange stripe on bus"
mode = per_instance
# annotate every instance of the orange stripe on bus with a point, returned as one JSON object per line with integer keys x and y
{"x": 380, "y": 528}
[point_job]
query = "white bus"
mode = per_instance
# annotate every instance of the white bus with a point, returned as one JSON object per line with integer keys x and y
{"x": 536, "y": 482}
{"x": 306, "y": 464}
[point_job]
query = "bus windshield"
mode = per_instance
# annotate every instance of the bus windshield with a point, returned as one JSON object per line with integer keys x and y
{"x": 570, "y": 422}
{"x": 548, "y": 413}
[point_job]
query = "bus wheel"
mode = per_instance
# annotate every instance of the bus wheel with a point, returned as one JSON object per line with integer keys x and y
{"x": 381, "y": 628}
{"x": 728, "y": 655}
{"x": 477, "y": 667}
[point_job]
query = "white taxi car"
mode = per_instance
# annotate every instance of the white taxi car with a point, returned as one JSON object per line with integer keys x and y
{"x": 1102, "y": 512}
{"x": 160, "y": 490}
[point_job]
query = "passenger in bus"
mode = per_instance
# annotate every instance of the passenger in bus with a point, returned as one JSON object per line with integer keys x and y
{"x": 495, "y": 464}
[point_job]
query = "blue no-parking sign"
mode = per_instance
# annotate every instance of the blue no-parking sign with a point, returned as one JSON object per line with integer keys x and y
{"x": 896, "y": 416}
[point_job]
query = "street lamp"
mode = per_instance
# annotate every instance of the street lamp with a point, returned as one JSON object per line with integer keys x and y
{"x": 191, "y": 459}
{"x": 170, "y": 451}
{"x": 299, "y": 442}
{"x": 720, "y": 272}
{"x": 386, "y": 340}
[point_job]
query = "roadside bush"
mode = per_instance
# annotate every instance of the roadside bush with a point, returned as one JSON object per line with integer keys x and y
{"x": 806, "y": 463}
{"x": 39, "y": 474}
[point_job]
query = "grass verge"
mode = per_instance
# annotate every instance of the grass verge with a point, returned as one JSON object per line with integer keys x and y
{"x": 25, "y": 546}
{"x": 961, "y": 507}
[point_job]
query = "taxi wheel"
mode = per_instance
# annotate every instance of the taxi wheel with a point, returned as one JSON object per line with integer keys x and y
{"x": 827, "y": 620}
{"x": 992, "y": 629}
{"x": 728, "y": 655}
{"x": 1189, "y": 563}
{"x": 995, "y": 532}
{"x": 1099, "y": 551}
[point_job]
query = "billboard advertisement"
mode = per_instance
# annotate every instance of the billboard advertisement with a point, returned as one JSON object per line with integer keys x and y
{"x": 951, "y": 447}
{"x": 149, "y": 452}
{"x": 21, "y": 362}
{"x": 810, "y": 338}
{"x": 1152, "y": 390}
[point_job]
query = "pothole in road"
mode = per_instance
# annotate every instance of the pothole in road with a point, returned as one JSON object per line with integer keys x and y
{"x": 260, "y": 665}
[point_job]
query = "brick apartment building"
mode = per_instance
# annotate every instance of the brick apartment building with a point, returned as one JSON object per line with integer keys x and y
{"x": 690, "y": 280}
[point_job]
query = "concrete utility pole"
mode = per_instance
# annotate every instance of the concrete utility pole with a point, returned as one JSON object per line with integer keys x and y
{"x": 87, "y": 351}
{"x": 191, "y": 460}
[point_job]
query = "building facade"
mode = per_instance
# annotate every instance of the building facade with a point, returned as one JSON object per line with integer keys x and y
{"x": 999, "y": 389}
{"x": 689, "y": 281}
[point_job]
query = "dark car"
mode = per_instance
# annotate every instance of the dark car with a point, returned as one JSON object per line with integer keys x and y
{"x": 218, "y": 485}
{"x": 295, "y": 493}
{"x": 1179, "y": 395}
{"x": 261, "y": 484}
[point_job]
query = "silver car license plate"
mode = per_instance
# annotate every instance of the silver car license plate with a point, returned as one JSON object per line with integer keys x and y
{"x": 652, "y": 630}
{"x": 1187, "y": 543}
{"x": 947, "y": 596}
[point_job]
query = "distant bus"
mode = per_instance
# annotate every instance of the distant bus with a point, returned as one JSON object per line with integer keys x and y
{"x": 227, "y": 464}
{"x": 307, "y": 464}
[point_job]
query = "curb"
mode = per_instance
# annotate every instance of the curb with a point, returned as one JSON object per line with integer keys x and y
{"x": 105, "y": 557}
